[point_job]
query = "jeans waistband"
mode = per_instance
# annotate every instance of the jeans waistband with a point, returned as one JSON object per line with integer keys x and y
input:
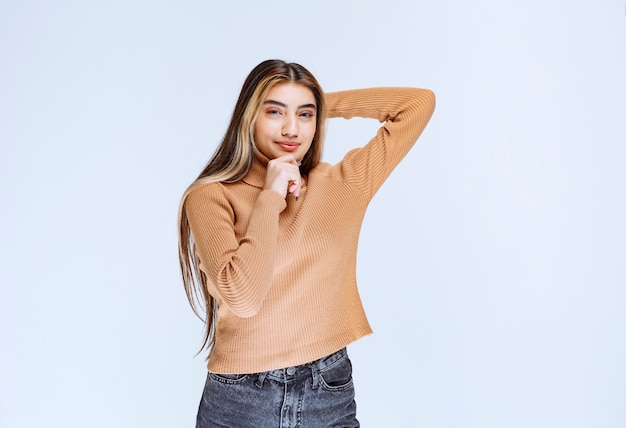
{"x": 312, "y": 369}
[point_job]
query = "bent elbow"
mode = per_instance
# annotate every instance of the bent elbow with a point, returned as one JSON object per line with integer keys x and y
{"x": 426, "y": 100}
{"x": 243, "y": 293}
{"x": 245, "y": 311}
{"x": 243, "y": 302}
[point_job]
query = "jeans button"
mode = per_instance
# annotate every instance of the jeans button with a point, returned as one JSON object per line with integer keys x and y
{"x": 291, "y": 371}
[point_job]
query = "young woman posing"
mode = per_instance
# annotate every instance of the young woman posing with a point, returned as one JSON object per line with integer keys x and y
{"x": 268, "y": 245}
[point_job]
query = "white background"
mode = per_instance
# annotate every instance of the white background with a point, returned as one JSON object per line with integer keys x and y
{"x": 492, "y": 263}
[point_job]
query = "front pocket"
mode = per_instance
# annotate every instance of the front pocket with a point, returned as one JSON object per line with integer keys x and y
{"x": 337, "y": 376}
{"x": 230, "y": 379}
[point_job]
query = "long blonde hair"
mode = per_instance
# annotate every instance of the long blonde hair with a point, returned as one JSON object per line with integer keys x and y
{"x": 231, "y": 163}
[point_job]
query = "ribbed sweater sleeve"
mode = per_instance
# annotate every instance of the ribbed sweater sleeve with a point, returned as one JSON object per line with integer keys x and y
{"x": 239, "y": 272}
{"x": 405, "y": 113}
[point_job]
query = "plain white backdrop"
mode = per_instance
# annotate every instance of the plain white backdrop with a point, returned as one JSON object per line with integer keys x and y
{"x": 492, "y": 263}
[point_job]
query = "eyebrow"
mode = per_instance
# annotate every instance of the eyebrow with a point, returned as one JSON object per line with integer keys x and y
{"x": 283, "y": 105}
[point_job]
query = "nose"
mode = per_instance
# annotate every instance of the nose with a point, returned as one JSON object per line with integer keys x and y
{"x": 290, "y": 126}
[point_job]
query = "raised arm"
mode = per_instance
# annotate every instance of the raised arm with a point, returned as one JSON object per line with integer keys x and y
{"x": 405, "y": 113}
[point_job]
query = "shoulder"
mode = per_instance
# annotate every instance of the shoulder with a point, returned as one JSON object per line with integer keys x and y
{"x": 321, "y": 169}
{"x": 325, "y": 171}
{"x": 201, "y": 195}
{"x": 199, "y": 189}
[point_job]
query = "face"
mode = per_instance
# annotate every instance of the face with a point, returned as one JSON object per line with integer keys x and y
{"x": 286, "y": 122}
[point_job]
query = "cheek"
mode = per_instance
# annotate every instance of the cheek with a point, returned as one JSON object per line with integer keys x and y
{"x": 267, "y": 128}
{"x": 310, "y": 142}
{"x": 312, "y": 129}
{"x": 257, "y": 128}
{"x": 260, "y": 131}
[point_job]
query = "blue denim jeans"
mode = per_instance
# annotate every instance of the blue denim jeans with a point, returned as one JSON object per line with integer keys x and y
{"x": 314, "y": 395}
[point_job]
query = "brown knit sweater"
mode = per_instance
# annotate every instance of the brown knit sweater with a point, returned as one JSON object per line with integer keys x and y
{"x": 284, "y": 271}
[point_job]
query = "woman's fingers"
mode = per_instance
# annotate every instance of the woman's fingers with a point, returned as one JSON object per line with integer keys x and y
{"x": 283, "y": 176}
{"x": 294, "y": 188}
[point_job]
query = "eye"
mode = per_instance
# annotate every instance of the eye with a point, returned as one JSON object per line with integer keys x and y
{"x": 307, "y": 114}
{"x": 273, "y": 111}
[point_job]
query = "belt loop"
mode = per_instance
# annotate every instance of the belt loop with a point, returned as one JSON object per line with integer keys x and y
{"x": 315, "y": 374}
{"x": 260, "y": 379}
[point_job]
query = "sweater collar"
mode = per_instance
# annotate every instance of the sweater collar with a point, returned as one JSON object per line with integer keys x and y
{"x": 258, "y": 169}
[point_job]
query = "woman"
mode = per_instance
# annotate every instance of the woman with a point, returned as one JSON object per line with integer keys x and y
{"x": 268, "y": 243}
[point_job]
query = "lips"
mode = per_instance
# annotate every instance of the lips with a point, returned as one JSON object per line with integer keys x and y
{"x": 288, "y": 146}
